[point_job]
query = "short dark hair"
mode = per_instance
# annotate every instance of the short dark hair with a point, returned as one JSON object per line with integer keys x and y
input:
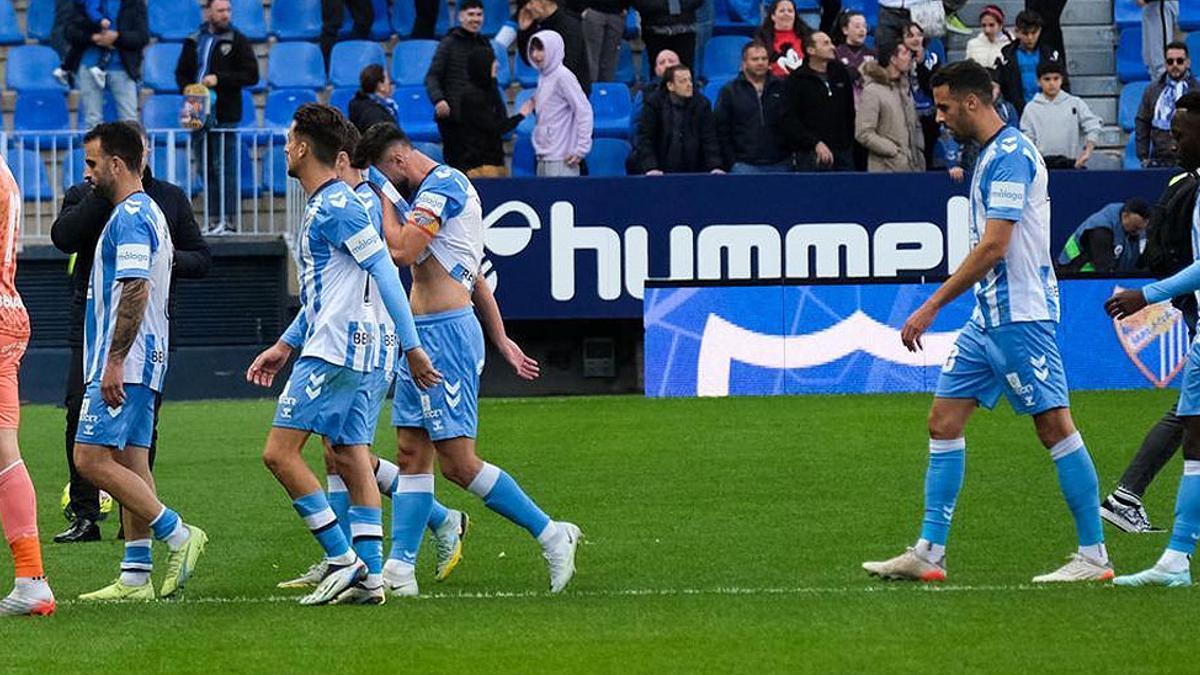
{"x": 753, "y": 44}
{"x": 669, "y": 73}
{"x": 209, "y": 3}
{"x": 119, "y": 140}
{"x": 965, "y": 77}
{"x": 1029, "y": 19}
{"x": 321, "y": 125}
{"x": 464, "y": 5}
{"x": 378, "y": 138}
{"x": 1137, "y": 207}
{"x": 1176, "y": 44}
{"x": 843, "y": 20}
{"x": 370, "y": 77}
{"x": 1050, "y": 68}
{"x": 350, "y": 138}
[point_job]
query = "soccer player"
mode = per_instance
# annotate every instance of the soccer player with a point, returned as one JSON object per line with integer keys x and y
{"x": 1173, "y": 568}
{"x": 125, "y": 362}
{"x": 442, "y": 240}
{"x": 18, "y": 502}
{"x": 1008, "y": 345}
{"x": 341, "y": 257}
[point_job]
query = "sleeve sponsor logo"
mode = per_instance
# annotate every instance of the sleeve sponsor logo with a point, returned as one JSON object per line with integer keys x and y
{"x": 133, "y": 257}
{"x": 1006, "y": 195}
{"x": 364, "y": 244}
{"x": 432, "y": 202}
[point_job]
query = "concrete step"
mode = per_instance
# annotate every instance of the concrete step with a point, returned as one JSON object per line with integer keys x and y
{"x": 1104, "y": 106}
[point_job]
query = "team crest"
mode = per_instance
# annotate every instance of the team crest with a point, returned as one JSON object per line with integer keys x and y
{"x": 1156, "y": 340}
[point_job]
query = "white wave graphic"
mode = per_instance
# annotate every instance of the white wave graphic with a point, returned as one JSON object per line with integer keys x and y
{"x": 723, "y": 343}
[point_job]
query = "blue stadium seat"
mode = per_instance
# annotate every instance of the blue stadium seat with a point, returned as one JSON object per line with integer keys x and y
{"x": 1127, "y": 14}
{"x": 70, "y": 171}
{"x": 39, "y": 20}
{"x": 524, "y": 163}
{"x": 416, "y": 113}
{"x": 340, "y": 98}
{"x": 495, "y": 14}
{"x": 296, "y": 19}
{"x": 381, "y": 26}
{"x": 42, "y": 111}
{"x": 249, "y": 18}
{"x": 611, "y": 107}
{"x": 869, "y": 8}
{"x": 282, "y": 105}
{"x": 525, "y": 128}
{"x": 431, "y": 150}
{"x": 296, "y": 65}
{"x": 160, "y": 166}
{"x": 249, "y": 111}
{"x": 722, "y": 57}
{"x": 625, "y": 71}
{"x": 504, "y": 74}
{"x": 1193, "y": 43}
{"x": 727, "y": 22}
{"x": 1189, "y": 17}
{"x": 525, "y": 74}
{"x": 158, "y": 67}
{"x": 712, "y": 90}
{"x": 1130, "y": 67}
{"x": 1131, "y": 98}
{"x": 29, "y": 68}
{"x": 349, "y": 58}
{"x": 410, "y": 61}
{"x": 632, "y": 21}
{"x": 160, "y": 113}
{"x": 10, "y": 32}
{"x": 275, "y": 177}
{"x": 174, "y": 20}
{"x": 607, "y": 157}
{"x": 1131, "y": 159}
{"x": 33, "y": 179}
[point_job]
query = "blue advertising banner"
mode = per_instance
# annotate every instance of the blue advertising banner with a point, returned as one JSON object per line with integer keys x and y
{"x": 781, "y": 338}
{"x": 571, "y": 248}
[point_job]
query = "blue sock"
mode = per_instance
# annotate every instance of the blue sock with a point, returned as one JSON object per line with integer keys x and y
{"x": 169, "y": 527}
{"x": 137, "y": 564}
{"x": 314, "y": 509}
{"x": 366, "y": 522}
{"x": 943, "y": 480}
{"x": 339, "y": 501}
{"x": 1187, "y": 510}
{"x": 1081, "y": 488}
{"x": 437, "y": 515}
{"x": 410, "y": 511}
{"x": 501, "y": 494}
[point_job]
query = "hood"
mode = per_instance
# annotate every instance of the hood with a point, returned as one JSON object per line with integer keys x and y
{"x": 872, "y": 71}
{"x": 479, "y": 67}
{"x": 553, "y": 43}
{"x": 1063, "y": 98}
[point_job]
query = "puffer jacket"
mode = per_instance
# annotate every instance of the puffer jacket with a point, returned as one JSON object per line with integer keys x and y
{"x": 887, "y": 124}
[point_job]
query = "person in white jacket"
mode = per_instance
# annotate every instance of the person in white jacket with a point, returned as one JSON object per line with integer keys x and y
{"x": 984, "y": 48}
{"x": 563, "y": 134}
{"x": 1062, "y": 126}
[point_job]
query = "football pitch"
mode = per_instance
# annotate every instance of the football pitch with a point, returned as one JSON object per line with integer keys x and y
{"x": 721, "y": 535}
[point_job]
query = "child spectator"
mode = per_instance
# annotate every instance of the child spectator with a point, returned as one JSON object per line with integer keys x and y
{"x": 94, "y": 11}
{"x": 852, "y": 49}
{"x": 563, "y": 135}
{"x": 985, "y": 48}
{"x": 1062, "y": 126}
{"x": 1019, "y": 61}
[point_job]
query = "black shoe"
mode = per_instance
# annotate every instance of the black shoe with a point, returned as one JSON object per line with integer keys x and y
{"x": 80, "y": 531}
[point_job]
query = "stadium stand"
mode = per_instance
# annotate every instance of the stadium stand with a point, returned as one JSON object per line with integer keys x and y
{"x": 160, "y": 112}
{"x": 626, "y": 73}
{"x": 1131, "y": 98}
{"x": 350, "y": 57}
{"x": 10, "y": 31}
{"x": 611, "y": 107}
{"x": 1130, "y": 158}
{"x": 523, "y": 161}
{"x": 109, "y": 112}
{"x": 173, "y": 21}
{"x": 416, "y": 113}
{"x": 722, "y": 58}
{"x": 410, "y": 61}
{"x": 712, "y": 90}
{"x": 42, "y": 111}
{"x": 381, "y": 27}
{"x": 504, "y": 74}
{"x": 608, "y": 156}
{"x": 296, "y": 65}
{"x": 1189, "y": 15}
{"x": 726, "y": 21}
{"x": 30, "y": 171}
{"x": 340, "y": 98}
{"x": 1130, "y": 67}
{"x": 282, "y": 104}
{"x": 39, "y": 20}
{"x": 1193, "y": 43}
{"x": 250, "y": 19}
{"x": 525, "y": 128}
{"x": 71, "y": 169}
{"x": 296, "y": 19}
{"x": 404, "y": 15}
{"x": 1127, "y": 14}
{"x": 158, "y": 67}
{"x": 29, "y": 68}
{"x": 430, "y": 150}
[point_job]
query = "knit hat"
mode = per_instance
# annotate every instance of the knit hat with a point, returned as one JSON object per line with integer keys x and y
{"x": 993, "y": 11}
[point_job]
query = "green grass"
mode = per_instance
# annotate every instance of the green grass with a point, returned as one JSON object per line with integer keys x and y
{"x": 721, "y": 535}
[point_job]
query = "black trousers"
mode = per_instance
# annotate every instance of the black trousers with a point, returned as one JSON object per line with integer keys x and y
{"x": 426, "y": 20}
{"x": 1051, "y": 12}
{"x": 683, "y": 44}
{"x": 362, "y": 12}
{"x": 85, "y": 498}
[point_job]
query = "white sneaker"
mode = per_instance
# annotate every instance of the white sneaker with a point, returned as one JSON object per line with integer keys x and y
{"x": 560, "y": 555}
{"x": 24, "y": 603}
{"x": 908, "y": 566}
{"x": 401, "y": 583}
{"x": 360, "y": 594}
{"x": 337, "y": 579}
{"x": 63, "y": 78}
{"x": 1078, "y": 568}
{"x": 98, "y": 75}
{"x": 449, "y": 538}
{"x": 309, "y": 579}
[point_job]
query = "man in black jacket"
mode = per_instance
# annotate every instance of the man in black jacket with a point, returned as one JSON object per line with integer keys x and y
{"x": 1019, "y": 61}
{"x": 76, "y": 230}
{"x": 128, "y": 36}
{"x": 677, "y": 133}
{"x": 222, "y": 59}
{"x": 447, "y": 76}
{"x": 539, "y": 15}
{"x": 818, "y": 110}
{"x": 747, "y": 116}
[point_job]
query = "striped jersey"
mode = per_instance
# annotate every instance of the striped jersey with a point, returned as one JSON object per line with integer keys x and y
{"x": 457, "y": 240}
{"x": 135, "y": 244}
{"x": 14, "y": 321}
{"x": 1010, "y": 183}
{"x": 386, "y": 343}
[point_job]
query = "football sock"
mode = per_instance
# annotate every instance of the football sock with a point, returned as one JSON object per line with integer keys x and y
{"x": 501, "y": 494}
{"x": 943, "y": 481}
{"x": 18, "y": 516}
{"x": 318, "y": 516}
{"x": 1081, "y": 489}
{"x": 1187, "y": 517}
{"x": 366, "y": 524}
{"x": 339, "y": 501}
{"x": 169, "y": 527}
{"x": 137, "y": 564}
{"x": 386, "y": 474}
{"x": 410, "y": 511}
{"x": 437, "y": 515}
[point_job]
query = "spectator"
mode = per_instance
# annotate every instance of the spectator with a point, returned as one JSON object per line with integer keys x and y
{"x": 886, "y": 123}
{"x": 1160, "y": 22}
{"x": 1152, "y": 128}
{"x": 747, "y": 117}
{"x": 666, "y": 59}
{"x": 1051, "y": 13}
{"x": 540, "y": 15}
{"x": 1019, "y": 61}
{"x": 447, "y": 76}
{"x": 603, "y": 28}
{"x": 562, "y": 137}
{"x": 425, "y": 21}
{"x": 1062, "y": 126}
{"x": 985, "y": 48}
{"x": 784, "y": 34}
{"x": 483, "y": 119}
{"x": 818, "y": 104}
{"x": 830, "y": 9}
{"x": 333, "y": 13}
{"x": 373, "y": 102}
{"x": 960, "y": 157}
{"x": 894, "y": 14}
{"x": 95, "y": 13}
{"x": 677, "y": 133}
{"x": 222, "y": 59}
{"x": 925, "y": 64}
{"x": 706, "y": 16}
{"x": 669, "y": 24}
{"x": 1110, "y": 240}
{"x": 132, "y": 32}
{"x": 852, "y": 49}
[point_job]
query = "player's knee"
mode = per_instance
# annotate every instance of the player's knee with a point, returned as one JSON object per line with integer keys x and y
{"x": 1053, "y": 427}
{"x": 457, "y": 474}
{"x": 87, "y": 463}
{"x": 942, "y": 428}
{"x": 273, "y": 459}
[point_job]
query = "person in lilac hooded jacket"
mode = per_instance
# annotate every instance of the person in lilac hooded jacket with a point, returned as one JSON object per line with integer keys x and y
{"x": 563, "y": 134}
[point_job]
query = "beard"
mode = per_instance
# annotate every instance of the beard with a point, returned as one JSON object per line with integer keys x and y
{"x": 104, "y": 189}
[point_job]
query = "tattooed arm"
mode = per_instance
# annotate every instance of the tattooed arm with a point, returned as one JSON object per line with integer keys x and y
{"x": 130, "y": 310}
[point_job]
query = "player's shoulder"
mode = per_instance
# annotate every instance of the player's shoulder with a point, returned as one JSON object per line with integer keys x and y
{"x": 447, "y": 181}
{"x": 137, "y": 208}
{"x": 1013, "y": 149}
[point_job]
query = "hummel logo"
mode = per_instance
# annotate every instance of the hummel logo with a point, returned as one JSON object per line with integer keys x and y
{"x": 312, "y": 392}
{"x": 948, "y": 512}
{"x": 1008, "y": 144}
{"x": 1038, "y": 362}
{"x": 113, "y": 412}
{"x": 453, "y": 387}
{"x": 316, "y": 380}
{"x": 338, "y": 201}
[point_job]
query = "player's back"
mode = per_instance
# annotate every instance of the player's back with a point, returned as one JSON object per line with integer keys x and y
{"x": 13, "y": 319}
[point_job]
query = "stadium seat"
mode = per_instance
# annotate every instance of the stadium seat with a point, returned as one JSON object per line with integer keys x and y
{"x": 525, "y": 74}
{"x": 296, "y": 65}
{"x": 249, "y": 111}
{"x": 160, "y": 113}
{"x": 525, "y": 128}
{"x": 495, "y": 14}
{"x": 607, "y": 157}
{"x": 250, "y": 19}
{"x": 174, "y": 21}
{"x": 340, "y": 98}
{"x": 712, "y": 90}
{"x": 160, "y": 166}
{"x": 1193, "y": 43}
{"x": 625, "y": 71}
{"x": 29, "y": 68}
{"x": 722, "y": 57}
{"x": 33, "y": 179}
{"x": 275, "y": 177}
{"x": 1131, "y": 98}
{"x": 1127, "y": 14}
{"x": 611, "y": 107}
{"x": 39, "y": 20}
{"x": 282, "y": 105}
{"x": 1131, "y": 159}
{"x": 296, "y": 19}
{"x": 70, "y": 171}
{"x": 869, "y": 8}
{"x": 1189, "y": 17}
{"x": 404, "y": 15}
{"x": 1130, "y": 67}
{"x": 523, "y": 161}
{"x": 632, "y": 22}
{"x": 416, "y": 113}
{"x": 381, "y": 25}
{"x": 10, "y": 32}
{"x": 727, "y": 22}
{"x": 504, "y": 74}
{"x": 410, "y": 61}
{"x": 158, "y": 67}
{"x": 349, "y": 58}
{"x": 42, "y": 111}
{"x": 431, "y": 150}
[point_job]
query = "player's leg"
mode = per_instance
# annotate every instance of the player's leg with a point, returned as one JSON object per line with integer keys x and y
{"x": 411, "y": 501}
{"x": 137, "y": 563}
{"x": 366, "y": 521}
{"x": 387, "y": 474}
{"x": 339, "y": 502}
{"x": 1123, "y": 507}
